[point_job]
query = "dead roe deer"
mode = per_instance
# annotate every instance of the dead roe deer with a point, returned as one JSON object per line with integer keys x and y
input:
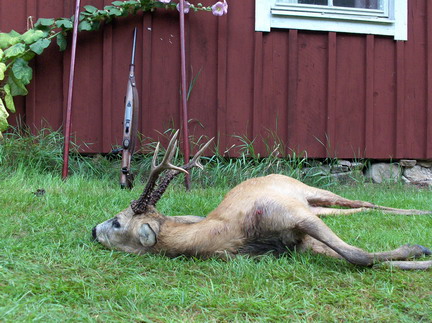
{"x": 270, "y": 214}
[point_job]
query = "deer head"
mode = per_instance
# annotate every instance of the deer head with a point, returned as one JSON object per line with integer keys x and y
{"x": 136, "y": 228}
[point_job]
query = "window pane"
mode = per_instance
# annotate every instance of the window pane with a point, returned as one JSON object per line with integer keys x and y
{"x": 344, "y": 3}
{"x": 317, "y": 2}
{"x": 364, "y": 4}
{"x": 360, "y": 4}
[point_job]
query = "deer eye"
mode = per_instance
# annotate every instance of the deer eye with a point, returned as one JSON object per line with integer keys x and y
{"x": 116, "y": 224}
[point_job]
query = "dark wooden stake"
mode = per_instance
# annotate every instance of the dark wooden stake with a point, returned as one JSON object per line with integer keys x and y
{"x": 183, "y": 105}
{"x": 70, "y": 91}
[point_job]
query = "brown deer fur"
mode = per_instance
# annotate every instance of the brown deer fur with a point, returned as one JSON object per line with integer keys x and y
{"x": 271, "y": 214}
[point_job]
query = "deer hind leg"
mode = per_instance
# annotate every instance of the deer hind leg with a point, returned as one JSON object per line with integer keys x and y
{"x": 317, "y": 229}
{"x": 321, "y": 198}
{"x": 318, "y": 211}
{"x": 409, "y": 265}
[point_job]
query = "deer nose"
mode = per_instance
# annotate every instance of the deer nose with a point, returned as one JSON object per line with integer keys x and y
{"x": 94, "y": 233}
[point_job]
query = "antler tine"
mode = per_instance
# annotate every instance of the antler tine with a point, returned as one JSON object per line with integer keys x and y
{"x": 140, "y": 205}
{"x": 166, "y": 161}
{"x": 194, "y": 162}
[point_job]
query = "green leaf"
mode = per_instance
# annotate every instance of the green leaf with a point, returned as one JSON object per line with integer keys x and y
{"x": 90, "y": 9}
{"x": 2, "y": 70}
{"x": 9, "y": 98}
{"x": 96, "y": 25}
{"x": 32, "y": 35}
{"x": 14, "y": 50}
{"x": 1, "y": 54}
{"x": 113, "y": 10}
{"x": 39, "y": 46}
{"x": 118, "y": 3}
{"x": 83, "y": 15}
{"x": 84, "y": 26}
{"x": 61, "y": 41}
{"x": 8, "y": 39}
{"x": 64, "y": 23}
{"x": 22, "y": 71}
{"x": 3, "y": 117}
{"x": 44, "y": 22}
{"x": 28, "y": 55}
{"x": 16, "y": 86}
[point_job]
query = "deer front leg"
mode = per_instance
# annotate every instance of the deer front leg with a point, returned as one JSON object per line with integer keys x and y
{"x": 316, "y": 228}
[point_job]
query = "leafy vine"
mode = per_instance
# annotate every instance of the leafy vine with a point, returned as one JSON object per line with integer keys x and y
{"x": 17, "y": 50}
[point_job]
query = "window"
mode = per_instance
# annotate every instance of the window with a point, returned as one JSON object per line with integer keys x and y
{"x": 379, "y": 17}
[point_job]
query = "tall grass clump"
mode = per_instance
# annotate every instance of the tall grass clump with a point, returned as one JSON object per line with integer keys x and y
{"x": 41, "y": 151}
{"x": 223, "y": 170}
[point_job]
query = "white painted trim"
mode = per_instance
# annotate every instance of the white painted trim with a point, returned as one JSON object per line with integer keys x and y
{"x": 401, "y": 20}
{"x": 268, "y": 16}
{"x": 263, "y": 15}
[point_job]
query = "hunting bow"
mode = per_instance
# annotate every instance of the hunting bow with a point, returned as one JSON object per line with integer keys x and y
{"x": 130, "y": 123}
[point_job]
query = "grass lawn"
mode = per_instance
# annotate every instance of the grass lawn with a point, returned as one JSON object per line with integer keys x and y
{"x": 50, "y": 271}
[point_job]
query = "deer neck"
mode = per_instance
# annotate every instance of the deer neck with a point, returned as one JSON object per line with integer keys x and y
{"x": 204, "y": 238}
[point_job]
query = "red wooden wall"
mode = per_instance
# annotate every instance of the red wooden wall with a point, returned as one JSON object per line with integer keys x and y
{"x": 328, "y": 94}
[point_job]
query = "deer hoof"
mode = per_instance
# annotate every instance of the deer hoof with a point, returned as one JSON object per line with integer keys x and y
{"x": 425, "y": 251}
{"x": 416, "y": 250}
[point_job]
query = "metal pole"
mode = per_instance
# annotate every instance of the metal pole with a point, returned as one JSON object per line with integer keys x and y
{"x": 183, "y": 105}
{"x": 70, "y": 91}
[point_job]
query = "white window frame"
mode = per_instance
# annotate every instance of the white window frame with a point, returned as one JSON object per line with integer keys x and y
{"x": 391, "y": 21}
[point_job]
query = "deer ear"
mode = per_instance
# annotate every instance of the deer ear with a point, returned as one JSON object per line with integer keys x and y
{"x": 147, "y": 236}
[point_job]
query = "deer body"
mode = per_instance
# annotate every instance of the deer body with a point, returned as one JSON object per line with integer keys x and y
{"x": 271, "y": 214}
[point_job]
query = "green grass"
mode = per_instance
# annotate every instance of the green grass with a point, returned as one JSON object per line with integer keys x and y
{"x": 50, "y": 271}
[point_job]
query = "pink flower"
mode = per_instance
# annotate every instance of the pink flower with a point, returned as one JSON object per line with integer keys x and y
{"x": 186, "y": 6}
{"x": 165, "y": 1}
{"x": 220, "y": 8}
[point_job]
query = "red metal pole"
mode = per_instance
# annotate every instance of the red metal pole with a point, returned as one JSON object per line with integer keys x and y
{"x": 70, "y": 91}
{"x": 183, "y": 105}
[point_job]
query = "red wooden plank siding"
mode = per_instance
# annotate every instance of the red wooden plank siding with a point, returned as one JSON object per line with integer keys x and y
{"x": 350, "y": 96}
{"x": 369, "y": 95}
{"x": 415, "y": 82}
{"x": 275, "y": 90}
{"x": 145, "y": 72}
{"x": 272, "y": 91}
{"x": 201, "y": 65}
{"x": 330, "y": 141}
{"x": 107, "y": 89}
{"x": 221, "y": 85}
{"x": 323, "y": 94}
{"x": 428, "y": 147}
{"x": 292, "y": 107}
{"x": 311, "y": 95}
{"x": 383, "y": 134}
{"x": 257, "y": 114}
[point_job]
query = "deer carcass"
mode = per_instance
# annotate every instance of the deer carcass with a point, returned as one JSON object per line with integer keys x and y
{"x": 270, "y": 214}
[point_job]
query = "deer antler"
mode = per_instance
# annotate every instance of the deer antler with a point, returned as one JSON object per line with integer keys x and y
{"x": 194, "y": 162}
{"x": 140, "y": 205}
